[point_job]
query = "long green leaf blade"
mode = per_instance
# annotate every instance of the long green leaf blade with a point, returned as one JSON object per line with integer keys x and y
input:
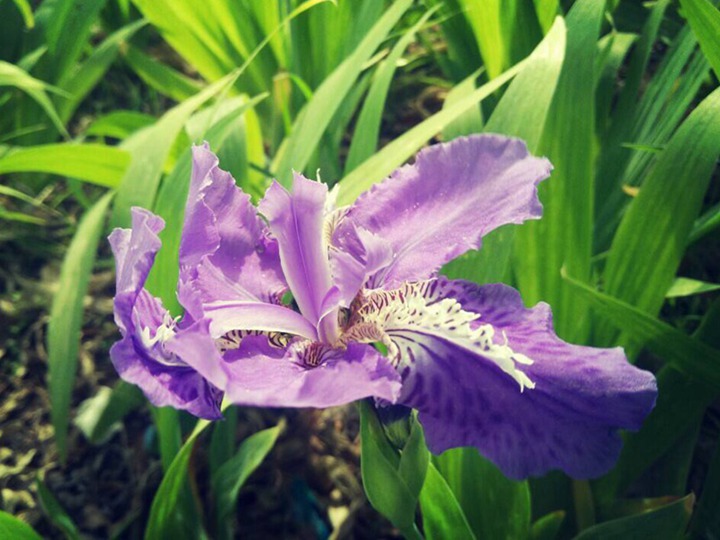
{"x": 685, "y": 353}
{"x": 667, "y": 522}
{"x": 66, "y": 317}
{"x": 94, "y": 163}
{"x": 164, "y": 518}
{"x": 522, "y": 112}
{"x": 650, "y": 242}
{"x": 704, "y": 20}
{"x": 12, "y": 527}
{"x": 232, "y": 475}
{"x": 398, "y": 151}
{"x": 442, "y": 515}
{"x": 563, "y": 237}
{"x": 367, "y": 128}
{"x": 318, "y": 113}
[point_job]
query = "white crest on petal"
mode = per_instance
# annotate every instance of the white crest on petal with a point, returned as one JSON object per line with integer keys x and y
{"x": 412, "y": 308}
{"x": 163, "y": 333}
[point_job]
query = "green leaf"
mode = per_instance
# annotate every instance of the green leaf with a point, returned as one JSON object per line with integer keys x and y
{"x": 318, "y": 113}
{"x": 613, "y": 155}
{"x": 484, "y": 493}
{"x": 650, "y": 242}
{"x": 95, "y": 163}
{"x": 119, "y": 124}
{"x": 12, "y": 75}
{"x": 398, "y": 151}
{"x": 385, "y": 488}
{"x": 20, "y": 217}
{"x": 704, "y": 20}
{"x": 649, "y": 120}
{"x": 367, "y": 128}
{"x": 688, "y": 287}
{"x": 162, "y": 78}
{"x": 472, "y": 121}
{"x": 67, "y": 29}
{"x": 548, "y": 526}
{"x": 149, "y": 149}
{"x": 705, "y": 224}
{"x": 82, "y": 78}
{"x": 165, "y": 521}
{"x": 668, "y": 522}
{"x": 97, "y": 416}
{"x": 563, "y": 237}
{"x": 442, "y": 515}
{"x": 12, "y": 527}
{"x": 26, "y": 11}
{"x": 684, "y": 353}
{"x": 681, "y": 402}
{"x": 65, "y": 321}
{"x": 414, "y": 458}
{"x": 57, "y": 514}
{"x": 522, "y": 112}
{"x": 231, "y": 476}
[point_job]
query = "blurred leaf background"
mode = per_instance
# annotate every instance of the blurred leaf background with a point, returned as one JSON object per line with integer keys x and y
{"x": 100, "y": 101}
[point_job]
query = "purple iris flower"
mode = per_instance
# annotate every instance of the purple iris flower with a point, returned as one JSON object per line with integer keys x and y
{"x": 481, "y": 369}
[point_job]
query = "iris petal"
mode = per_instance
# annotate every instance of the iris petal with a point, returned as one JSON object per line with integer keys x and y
{"x": 142, "y": 357}
{"x": 225, "y": 252}
{"x": 532, "y": 402}
{"x": 441, "y": 206}
{"x": 297, "y": 221}
{"x": 306, "y": 374}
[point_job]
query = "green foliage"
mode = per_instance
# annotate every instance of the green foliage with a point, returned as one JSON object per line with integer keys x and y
{"x": 618, "y": 96}
{"x": 57, "y": 514}
{"x": 668, "y": 522}
{"x": 704, "y": 19}
{"x": 66, "y": 317}
{"x": 392, "y": 480}
{"x": 12, "y": 527}
{"x": 231, "y": 476}
{"x": 94, "y": 163}
{"x": 442, "y": 515}
{"x": 482, "y": 501}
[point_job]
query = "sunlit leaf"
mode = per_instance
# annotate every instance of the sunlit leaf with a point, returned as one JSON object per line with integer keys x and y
{"x": 12, "y": 527}
{"x": 688, "y": 287}
{"x": 318, "y": 113}
{"x": 704, "y": 18}
{"x": 94, "y": 163}
{"x": 63, "y": 333}
{"x": 650, "y": 242}
{"x": 12, "y": 75}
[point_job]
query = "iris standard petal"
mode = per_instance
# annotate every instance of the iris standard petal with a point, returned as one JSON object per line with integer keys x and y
{"x": 141, "y": 357}
{"x": 306, "y": 374}
{"x": 134, "y": 250}
{"x": 441, "y": 206}
{"x": 484, "y": 371}
{"x": 297, "y": 221}
{"x": 225, "y": 250}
